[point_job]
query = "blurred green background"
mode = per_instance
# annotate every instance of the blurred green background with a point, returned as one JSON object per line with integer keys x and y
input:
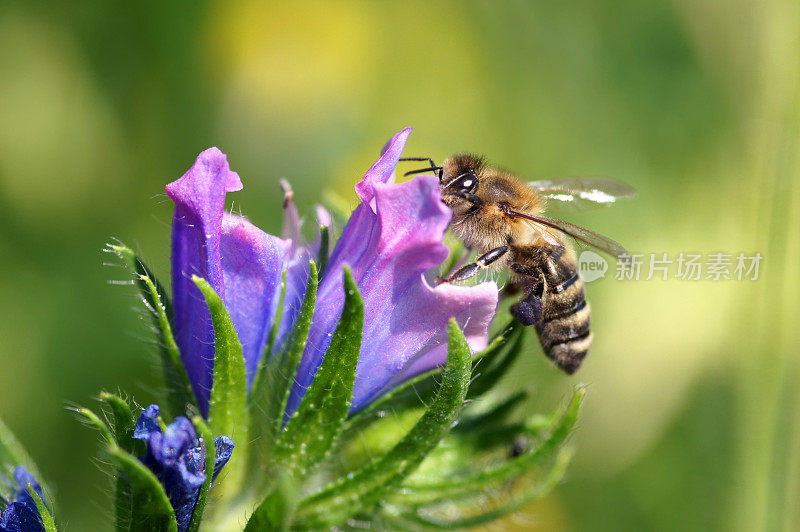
{"x": 691, "y": 421}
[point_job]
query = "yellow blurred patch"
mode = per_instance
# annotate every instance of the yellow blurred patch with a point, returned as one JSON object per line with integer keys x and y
{"x": 58, "y": 142}
{"x": 290, "y": 58}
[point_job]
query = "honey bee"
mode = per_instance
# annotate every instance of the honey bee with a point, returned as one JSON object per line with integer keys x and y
{"x": 500, "y": 216}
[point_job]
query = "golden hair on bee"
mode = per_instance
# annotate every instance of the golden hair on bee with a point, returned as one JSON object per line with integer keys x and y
{"x": 477, "y": 194}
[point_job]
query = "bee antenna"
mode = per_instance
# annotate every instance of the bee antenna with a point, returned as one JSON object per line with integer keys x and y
{"x": 434, "y": 169}
{"x": 418, "y": 159}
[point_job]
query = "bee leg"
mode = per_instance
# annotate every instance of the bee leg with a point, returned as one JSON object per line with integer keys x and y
{"x": 462, "y": 259}
{"x": 529, "y": 309}
{"x": 465, "y": 272}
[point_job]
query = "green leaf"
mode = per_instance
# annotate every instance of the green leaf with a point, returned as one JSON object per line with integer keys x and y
{"x": 149, "y": 506}
{"x": 273, "y": 383}
{"x": 276, "y": 511}
{"x": 207, "y": 440}
{"x": 124, "y": 423}
{"x": 179, "y": 389}
{"x": 48, "y": 523}
{"x": 553, "y": 477}
{"x": 477, "y": 481}
{"x": 362, "y": 489}
{"x": 318, "y": 420}
{"x": 227, "y": 406}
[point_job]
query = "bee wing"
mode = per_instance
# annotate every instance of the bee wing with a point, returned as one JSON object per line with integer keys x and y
{"x": 596, "y": 240}
{"x": 582, "y": 192}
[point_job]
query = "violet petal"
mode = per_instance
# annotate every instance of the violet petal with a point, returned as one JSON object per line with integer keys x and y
{"x": 242, "y": 263}
{"x": 252, "y": 264}
{"x": 199, "y": 197}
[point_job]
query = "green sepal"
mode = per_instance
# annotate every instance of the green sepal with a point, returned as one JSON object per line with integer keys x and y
{"x": 272, "y": 385}
{"x": 91, "y": 419}
{"x": 178, "y": 386}
{"x": 123, "y": 423}
{"x": 227, "y": 405}
{"x": 148, "y": 507}
{"x": 362, "y": 489}
{"x": 313, "y": 427}
{"x": 478, "y": 481}
{"x": 276, "y": 511}
{"x": 324, "y": 248}
{"x": 48, "y": 523}
{"x": 207, "y": 440}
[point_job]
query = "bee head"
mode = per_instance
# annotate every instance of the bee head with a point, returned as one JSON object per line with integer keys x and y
{"x": 460, "y": 173}
{"x": 458, "y": 180}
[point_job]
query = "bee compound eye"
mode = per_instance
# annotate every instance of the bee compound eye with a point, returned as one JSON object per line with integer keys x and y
{"x": 465, "y": 183}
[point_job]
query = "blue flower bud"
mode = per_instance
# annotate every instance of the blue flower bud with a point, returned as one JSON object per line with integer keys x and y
{"x": 177, "y": 458}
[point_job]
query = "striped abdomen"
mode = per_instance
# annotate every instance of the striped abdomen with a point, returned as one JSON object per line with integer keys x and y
{"x": 564, "y": 327}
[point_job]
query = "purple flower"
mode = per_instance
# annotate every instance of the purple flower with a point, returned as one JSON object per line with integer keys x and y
{"x": 248, "y": 279}
{"x": 178, "y": 460}
{"x": 391, "y": 240}
{"x": 20, "y": 514}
